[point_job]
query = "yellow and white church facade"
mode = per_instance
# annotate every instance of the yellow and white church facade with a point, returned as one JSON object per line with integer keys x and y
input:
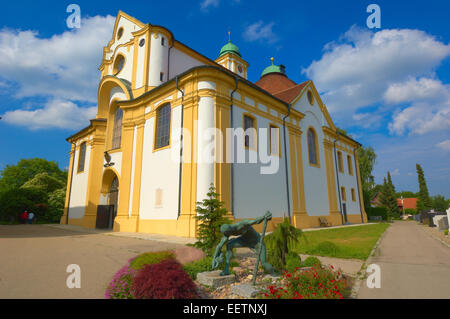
{"x": 137, "y": 167}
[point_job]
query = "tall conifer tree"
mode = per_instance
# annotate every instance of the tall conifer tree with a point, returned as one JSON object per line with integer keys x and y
{"x": 424, "y": 202}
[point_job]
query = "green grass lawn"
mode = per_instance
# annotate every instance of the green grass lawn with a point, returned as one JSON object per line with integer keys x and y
{"x": 350, "y": 242}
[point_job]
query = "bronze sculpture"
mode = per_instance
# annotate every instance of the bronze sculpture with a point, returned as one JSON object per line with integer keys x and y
{"x": 248, "y": 237}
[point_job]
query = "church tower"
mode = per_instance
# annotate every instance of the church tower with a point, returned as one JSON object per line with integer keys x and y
{"x": 230, "y": 58}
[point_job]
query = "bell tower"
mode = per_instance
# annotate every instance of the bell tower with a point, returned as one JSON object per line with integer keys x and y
{"x": 230, "y": 58}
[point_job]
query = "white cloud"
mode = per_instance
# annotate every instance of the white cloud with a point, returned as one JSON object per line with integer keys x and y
{"x": 63, "y": 66}
{"x": 423, "y": 89}
{"x": 392, "y": 66}
{"x": 395, "y": 172}
{"x": 56, "y": 113}
{"x": 445, "y": 145}
{"x": 259, "y": 31}
{"x": 205, "y": 4}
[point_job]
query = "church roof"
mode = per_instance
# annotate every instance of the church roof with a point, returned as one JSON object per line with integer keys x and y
{"x": 291, "y": 93}
{"x": 275, "y": 82}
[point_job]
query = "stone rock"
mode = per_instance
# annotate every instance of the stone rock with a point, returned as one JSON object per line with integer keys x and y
{"x": 244, "y": 290}
{"x": 214, "y": 279}
{"x": 187, "y": 254}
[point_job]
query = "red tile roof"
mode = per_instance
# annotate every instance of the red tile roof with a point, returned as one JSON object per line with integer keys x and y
{"x": 290, "y": 94}
{"x": 275, "y": 82}
{"x": 280, "y": 86}
{"x": 407, "y": 203}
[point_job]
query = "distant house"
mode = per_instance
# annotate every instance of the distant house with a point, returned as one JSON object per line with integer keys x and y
{"x": 408, "y": 203}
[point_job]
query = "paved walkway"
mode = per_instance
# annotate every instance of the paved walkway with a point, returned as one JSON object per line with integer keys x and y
{"x": 34, "y": 259}
{"x": 413, "y": 265}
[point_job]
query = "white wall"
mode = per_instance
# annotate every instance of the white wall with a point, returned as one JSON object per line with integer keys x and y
{"x": 255, "y": 193}
{"x": 315, "y": 178}
{"x": 77, "y": 203}
{"x": 180, "y": 62}
{"x": 159, "y": 171}
{"x": 348, "y": 181}
{"x": 158, "y": 59}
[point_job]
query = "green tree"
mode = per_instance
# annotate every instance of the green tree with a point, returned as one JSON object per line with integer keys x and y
{"x": 44, "y": 182}
{"x": 406, "y": 194}
{"x": 439, "y": 203}
{"x": 367, "y": 158}
{"x": 15, "y": 201}
{"x": 14, "y": 176}
{"x": 279, "y": 242}
{"x": 388, "y": 198}
{"x": 56, "y": 201}
{"x": 424, "y": 202}
{"x": 210, "y": 216}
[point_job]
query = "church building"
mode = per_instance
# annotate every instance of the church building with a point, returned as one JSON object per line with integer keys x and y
{"x": 143, "y": 163}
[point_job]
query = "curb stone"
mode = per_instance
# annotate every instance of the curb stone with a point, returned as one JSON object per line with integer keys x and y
{"x": 362, "y": 276}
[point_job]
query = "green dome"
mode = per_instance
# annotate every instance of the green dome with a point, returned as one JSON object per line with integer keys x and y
{"x": 273, "y": 69}
{"x": 229, "y": 48}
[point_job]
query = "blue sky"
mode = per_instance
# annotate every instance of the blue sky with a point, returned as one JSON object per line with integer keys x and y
{"x": 388, "y": 87}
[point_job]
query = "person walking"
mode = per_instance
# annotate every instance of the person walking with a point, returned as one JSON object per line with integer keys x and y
{"x": 24, "y": 217}
{"x": 30, "y": 218}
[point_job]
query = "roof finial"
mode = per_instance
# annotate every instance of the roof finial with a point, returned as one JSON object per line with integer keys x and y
{"x": 229, "y": 35}
{"x": 271, "y": 59}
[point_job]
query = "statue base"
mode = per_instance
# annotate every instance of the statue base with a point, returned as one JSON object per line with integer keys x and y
{"x": 214, "y": 279}
{"x": 245, "y": 290}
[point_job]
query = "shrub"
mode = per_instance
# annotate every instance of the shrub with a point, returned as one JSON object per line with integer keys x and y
{"x": 150, "y": 258}
{"x": 377, "y": 211}
{"x": 326, "y": 248}
{"x": 279, "y": 242}
{"x": 410, "y": 211}
{"x": 293, "y": 261}
{"x": 210, "y": 216}
{"x": 312, "y": 261}
{"x": 316, "y": 283}
{"x": 165, "y": 280}
{"x": 446, "y": 232}
{"x": 120, "y": 285}
{"x": 193, "y": 268}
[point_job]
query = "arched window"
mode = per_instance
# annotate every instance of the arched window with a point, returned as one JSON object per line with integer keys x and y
{"x": 162, "y": 126}
{"x": 117, "y": 129}
{"x": 312, "y": 147}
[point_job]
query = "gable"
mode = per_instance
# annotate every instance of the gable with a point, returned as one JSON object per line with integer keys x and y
{"x": 300, "y": 103}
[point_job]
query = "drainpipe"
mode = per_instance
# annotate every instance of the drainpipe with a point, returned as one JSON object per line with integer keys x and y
{"x": 181, "y": 147}
{"x": 337, "y": 178}
{"x": 357, "y": 183}
{"x": 71, "y": 181}
{"x": 232, "y": 144}
{"x": 286, "y": 163}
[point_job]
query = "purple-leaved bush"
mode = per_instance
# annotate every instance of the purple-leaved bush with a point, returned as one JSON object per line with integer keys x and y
{"x": 120, "y": 285}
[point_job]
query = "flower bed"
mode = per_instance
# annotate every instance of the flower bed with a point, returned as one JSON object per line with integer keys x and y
{"x": 310, "y": 283}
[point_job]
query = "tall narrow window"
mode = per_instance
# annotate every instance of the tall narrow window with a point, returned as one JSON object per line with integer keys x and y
{"x": 117, "y": 129}
{"x": 162, "y": 126}
{"x": 340, "y": 163}
{"x": 274, "y": 133}
{"x": 249, "y": 137}
{"x": 82, "y": 157}
{"x": 343, "y": 194}
{"x": 312, "y": 147}
{"x": 349, "y": 165}
{"x": 353, "y": 195}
